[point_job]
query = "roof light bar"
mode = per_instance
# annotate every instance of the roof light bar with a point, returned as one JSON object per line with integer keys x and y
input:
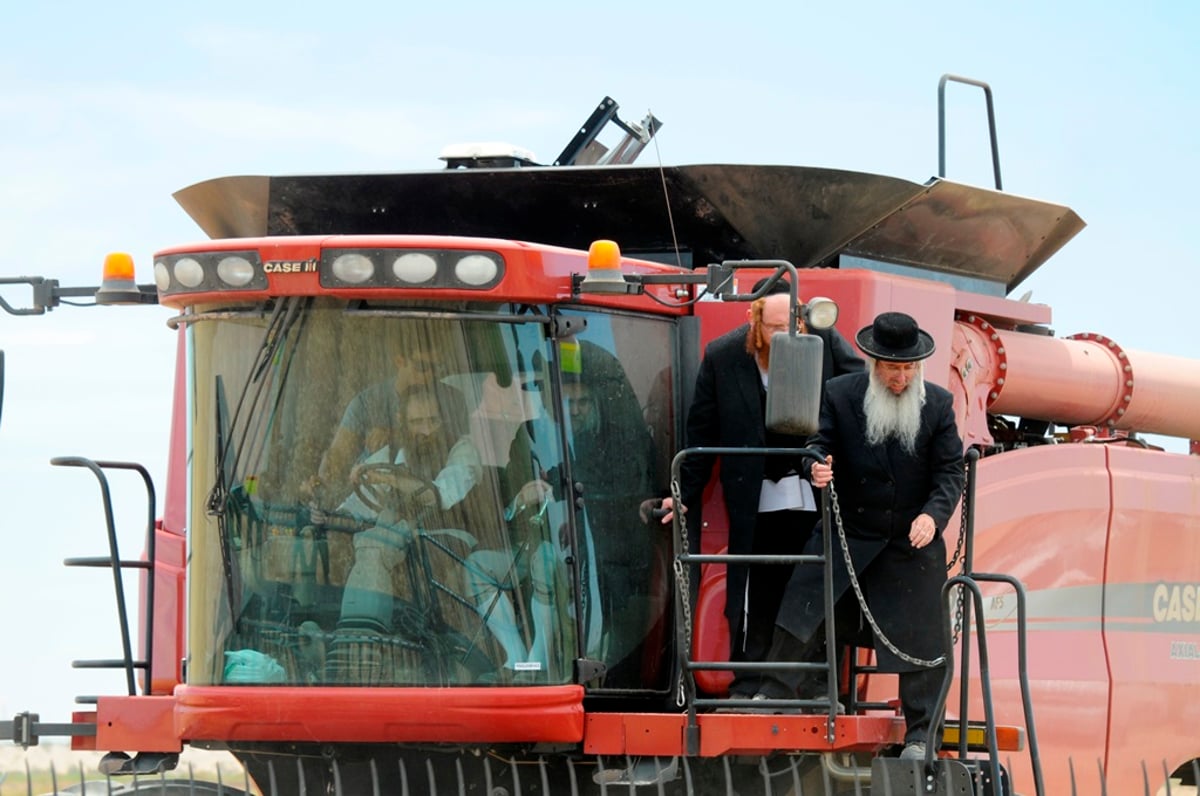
{"x": 406, "y": 268}
{"x": 200, "y": 272}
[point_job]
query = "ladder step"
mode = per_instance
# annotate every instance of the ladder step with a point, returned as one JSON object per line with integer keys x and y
{"x": 104, "y": 561}
{"x": 110, "y": 663}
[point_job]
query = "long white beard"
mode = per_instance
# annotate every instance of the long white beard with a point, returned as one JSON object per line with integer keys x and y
{"x": 892, "y": 416}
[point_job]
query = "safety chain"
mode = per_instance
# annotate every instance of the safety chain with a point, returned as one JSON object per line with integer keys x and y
{"x": 958, "y": 554}
{"x": 862, "y": 600}
{"x": 683, "y": 580}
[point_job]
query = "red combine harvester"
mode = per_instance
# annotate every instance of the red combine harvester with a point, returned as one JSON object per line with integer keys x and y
{"x": 343, "y": 619}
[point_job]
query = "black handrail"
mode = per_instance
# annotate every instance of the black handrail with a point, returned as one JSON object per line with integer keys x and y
{"x": 113, "y": 561}
{"x": 969, "y": 580}
{"x": 991, "y": 112}
{"x": 684, "y": 639}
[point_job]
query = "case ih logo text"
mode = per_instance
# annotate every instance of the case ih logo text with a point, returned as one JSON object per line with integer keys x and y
{"x": 1174, "y": 602}
{"x": 290, "y": 267}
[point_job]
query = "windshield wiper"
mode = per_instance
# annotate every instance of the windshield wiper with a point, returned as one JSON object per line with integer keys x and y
{"x": 283, "y": 318}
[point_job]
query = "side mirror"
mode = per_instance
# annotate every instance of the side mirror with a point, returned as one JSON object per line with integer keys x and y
{"x": 794, "y": 384}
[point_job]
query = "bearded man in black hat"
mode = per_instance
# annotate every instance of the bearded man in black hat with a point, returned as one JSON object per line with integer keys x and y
{"x": 898, "y": 456}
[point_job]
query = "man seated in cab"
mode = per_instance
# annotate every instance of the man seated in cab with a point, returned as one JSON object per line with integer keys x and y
{"x": 371, "y": 421}
{"x": 415, "y": 481}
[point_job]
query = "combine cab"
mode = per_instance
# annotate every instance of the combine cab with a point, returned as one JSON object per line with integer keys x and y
{"x": 346, "y": 619}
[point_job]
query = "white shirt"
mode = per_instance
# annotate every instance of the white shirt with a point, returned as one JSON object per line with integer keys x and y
{"x": 790, "y": 493}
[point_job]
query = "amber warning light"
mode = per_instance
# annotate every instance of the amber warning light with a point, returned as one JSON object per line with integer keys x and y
{"x": 117, "y": 285}
{"x": 604, "y": 270}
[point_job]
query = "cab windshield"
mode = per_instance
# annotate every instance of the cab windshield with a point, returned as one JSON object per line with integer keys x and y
{"x": 409, "y": 497}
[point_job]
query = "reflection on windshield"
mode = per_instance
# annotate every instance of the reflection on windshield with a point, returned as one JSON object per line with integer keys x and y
{"x": 612, "y": 460}
{"x": 380, "y": 499}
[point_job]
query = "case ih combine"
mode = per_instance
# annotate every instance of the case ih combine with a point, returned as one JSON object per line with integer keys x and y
{"x": 374, "y": 635}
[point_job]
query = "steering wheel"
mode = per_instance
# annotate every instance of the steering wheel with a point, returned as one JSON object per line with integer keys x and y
{"x": 392, "y": 485}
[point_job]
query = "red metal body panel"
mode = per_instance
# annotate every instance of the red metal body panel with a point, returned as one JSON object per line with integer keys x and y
{"x": 170, "y": 564}
{"x": 1152, "y": 608}
{"x": 722, "y": 734}
{"x": 144, "y": 723}
{"x": 170, "y": 607}
{"x": 762, "y": 734}
{"x": 1042, "y": 516}
{"x": 83, "y": 743}
{"x": 552, "y": 714}
{"x": 1101, "y": 536}
{"x": 174, "y": 518}
{"x": 659, "y": 734}
{"x": 861, "y": 295}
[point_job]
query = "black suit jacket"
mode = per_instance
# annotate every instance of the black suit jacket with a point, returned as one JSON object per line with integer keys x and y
{"x": 727, "y": 411}
{"x": 880, "y": 490}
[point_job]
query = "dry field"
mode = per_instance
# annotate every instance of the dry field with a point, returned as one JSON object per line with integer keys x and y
{"x": 70, "y": 768}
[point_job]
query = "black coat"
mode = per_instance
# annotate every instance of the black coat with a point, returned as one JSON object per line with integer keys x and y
{"x": 881, "y": 489}
{"x": 727, "y": 411}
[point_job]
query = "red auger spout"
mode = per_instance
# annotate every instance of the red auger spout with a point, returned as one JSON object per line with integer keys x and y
{"x": 1084, "y": 379}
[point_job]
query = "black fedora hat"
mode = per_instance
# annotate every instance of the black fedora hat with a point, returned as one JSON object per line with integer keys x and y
{"x": 895, "y": 337}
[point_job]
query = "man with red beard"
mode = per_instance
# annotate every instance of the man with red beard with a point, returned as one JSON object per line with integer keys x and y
{"x": 893, "y": 440}
{"x": 770, "y": 506}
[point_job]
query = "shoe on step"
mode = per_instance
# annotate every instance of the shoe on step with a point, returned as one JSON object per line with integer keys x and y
{"x": 913, "y": 751}
{"x": 766, "y": 706}
{"x": 733, "y": 709}
{"x": 823, "y": 706}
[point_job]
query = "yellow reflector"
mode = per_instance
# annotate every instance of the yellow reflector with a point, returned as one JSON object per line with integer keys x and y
{"x": 1008, "y": 739}
{"x": 604, "y": 255}
{"x": 118, "y": 267}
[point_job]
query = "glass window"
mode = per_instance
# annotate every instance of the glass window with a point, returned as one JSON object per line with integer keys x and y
{"x": 362, "y": 509}
{"x": 617, "y": 390}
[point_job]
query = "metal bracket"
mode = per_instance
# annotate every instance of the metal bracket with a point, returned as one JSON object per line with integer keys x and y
{"x": 562, "y": 326}
{"x": 643, "y": 772}
{"x": 588, "y": 670}
{"x": 720, "y": 279}
{"x": 946, "y": 777}
{"x": 26, "y": 729}
{"x": 47, "y": 294}
{"x": 145, "y": 763}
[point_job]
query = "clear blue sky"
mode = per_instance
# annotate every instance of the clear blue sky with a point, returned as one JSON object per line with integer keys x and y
{"x": 106, "y": 109}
